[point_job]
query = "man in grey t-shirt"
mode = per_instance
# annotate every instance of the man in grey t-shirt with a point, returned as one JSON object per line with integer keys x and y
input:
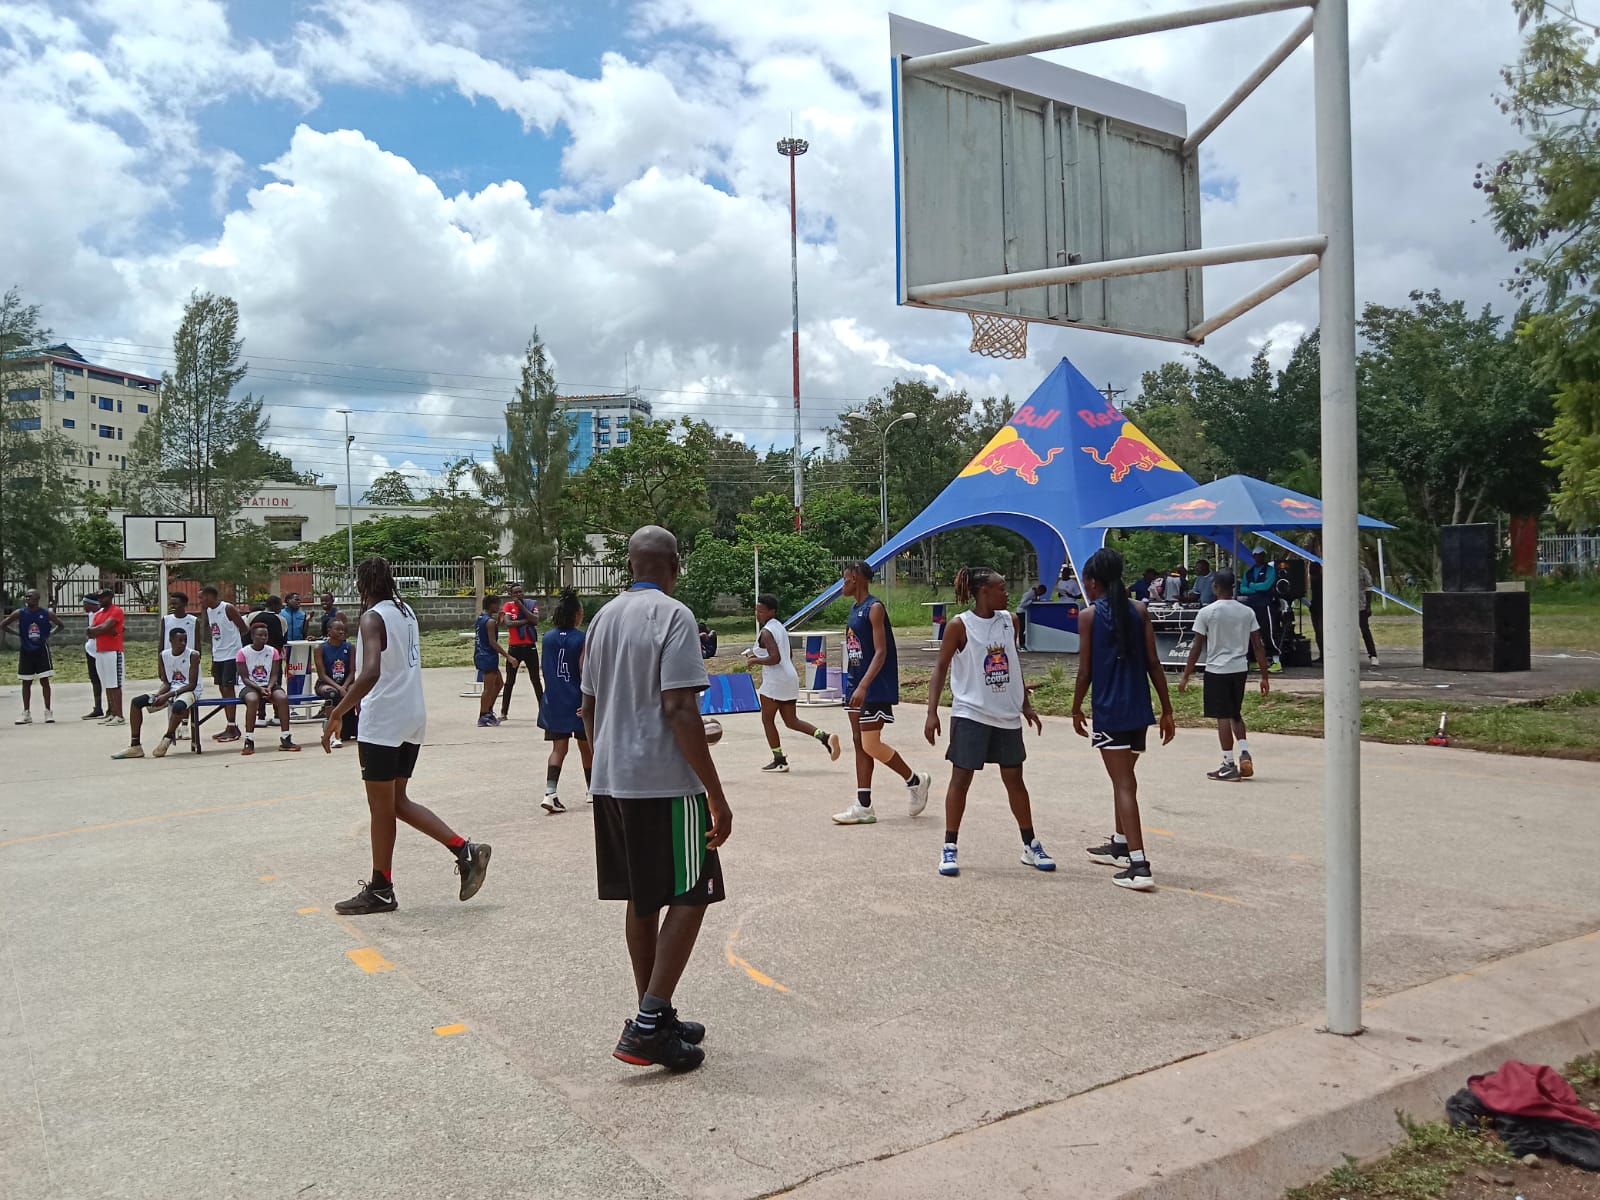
{"x": 1227, "y": 632}
{"x": 659, "y": 811}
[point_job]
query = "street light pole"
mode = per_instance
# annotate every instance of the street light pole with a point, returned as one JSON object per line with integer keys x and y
{"x": 349, "y": 505}
{"x": 792, "y": 148}
{"x": 883, "y": 477}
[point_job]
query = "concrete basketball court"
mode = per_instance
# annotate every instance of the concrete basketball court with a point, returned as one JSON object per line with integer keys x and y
{"x": 183, "y": 1015}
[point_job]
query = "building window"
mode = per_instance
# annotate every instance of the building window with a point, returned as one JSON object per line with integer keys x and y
{"x": 23, "y": 393}
{"x": 124, "y": 462}
{"x": 119, "y": 433}
{"x": 144, "y": 408}
{"x": 622, "y": 420}
{"x": 622, "y": 438}
{"x": 603, "y": 422}
{"x": 107, "y": 432}
{"x": 26, "y": 423}
{"x": 105, "y": 402}
{"x": 68, "y": 423}
{"x": 73, "y": 370}
{"x": 119, "y": 405}
{"x": 107, "y": 377}
{"x": 68, "y": 395}
{"x": 285, "y": 529}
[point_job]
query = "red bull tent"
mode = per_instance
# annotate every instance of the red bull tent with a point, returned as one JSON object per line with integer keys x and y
{"x": 1068, "y": 457}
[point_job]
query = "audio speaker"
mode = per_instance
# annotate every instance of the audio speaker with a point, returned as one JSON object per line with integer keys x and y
{"x": 1466, "y": 558}
{"x": 1476, "y": 631}
{"x": 1295, "y": 572}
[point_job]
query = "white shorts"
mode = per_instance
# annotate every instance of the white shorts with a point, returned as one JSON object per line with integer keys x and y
{"x": 108, "y": 665}
{"x": 778, "y": 684}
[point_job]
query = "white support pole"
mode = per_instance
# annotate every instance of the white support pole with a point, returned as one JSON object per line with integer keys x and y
{"x": 1341, "y": 670}
{"x": 1148, "y": 264}
{"x": 1185, "y": 553}
{"x": 1109, "y": 32}
{"x": 1383, "y": 578}
{"x": 757, "y": 549}
{"x": 1269, "y": 289}
{"x": 1254, "y": 80}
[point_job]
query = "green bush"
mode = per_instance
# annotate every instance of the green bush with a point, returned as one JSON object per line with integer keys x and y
{"x": 792, "y": 567}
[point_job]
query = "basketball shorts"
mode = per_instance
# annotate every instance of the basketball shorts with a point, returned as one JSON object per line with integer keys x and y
{"x": 972, "y": 744}
{"x": 35, "y": 664}
{"x": 1224, "y": 695}
{"x": 1124, "y": 739}
{"x": 385, "y": 764}
{"x": 653, "y": 852}
{"x": 874, "y": 716}
{"x": 224, "y": 674}
{"x": 108, "y": 665}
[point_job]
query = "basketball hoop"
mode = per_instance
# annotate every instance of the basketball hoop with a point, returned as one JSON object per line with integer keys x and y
{"x": 997, "y": 336}
{"x": 172, "y": 552}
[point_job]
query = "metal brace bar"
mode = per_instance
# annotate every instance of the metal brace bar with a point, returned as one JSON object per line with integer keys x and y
{"x": 1147, "y": 264}
{"x": 1254, "y": 80}
{"x": 1263, "y": 293}
{"x": 1110, "y": 32}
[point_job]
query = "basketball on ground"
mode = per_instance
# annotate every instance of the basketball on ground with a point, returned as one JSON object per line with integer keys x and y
{"x": 713, "y": 730}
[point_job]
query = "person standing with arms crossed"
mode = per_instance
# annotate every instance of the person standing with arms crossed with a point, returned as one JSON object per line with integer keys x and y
{"x": 871, "y": 690}
{"x": 561, "y": 715}
{"x": 394, "y": 720}
{"x": 97, "y": 713}
{"x": 1117, "y": 657}
{"x": 35, "y": 623}
{"x": 1259, "y": 590}
{"x": 659, "y": 810}
{"x": 110, "y": 623}
{"x": 522, "y": 616}
{"x": 988, "y": 708}
{"x": 779, "y": 692}
{"x": 228, "y": 632}
{"x": 1227, "y": 631}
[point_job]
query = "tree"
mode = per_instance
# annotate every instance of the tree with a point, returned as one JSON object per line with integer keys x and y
{"x": 96, "y": 540}
{"x": 253, "y": 460}
{"x": 532, "y": 468}
{"x": 794, "y": 568}
{"x": 844, "y": 522}
{"x": 200, "y": 451}
{"x": 1544, "y": 200}
{"x": 735, "y": 477}
{"x": 465, "y": 524}
{"x": 399, "y": 539}
{"x": 35, "y": 486}
{"x": 391, "y": 488}
{"x": 657, "y": 478}
{"x": 246, "y": 555}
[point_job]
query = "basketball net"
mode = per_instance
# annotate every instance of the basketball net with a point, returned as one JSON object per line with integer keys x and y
{"x": 998, "y": 337}
{"x": 171, "y": 553}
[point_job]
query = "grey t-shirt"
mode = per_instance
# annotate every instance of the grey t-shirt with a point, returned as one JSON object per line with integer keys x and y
{"x": 1227, "y": 626}
{"x": 639, "y": 645}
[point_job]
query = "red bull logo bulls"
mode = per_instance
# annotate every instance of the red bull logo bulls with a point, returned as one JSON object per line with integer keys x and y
{"x": 1300, "y": 508}
{"x": 1007, "y": 451}
{"x": 1194, "y": 510}
{"x": 1125, "y": 454}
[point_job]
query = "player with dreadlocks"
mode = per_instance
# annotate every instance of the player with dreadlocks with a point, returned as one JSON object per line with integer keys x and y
{"x": 1117, "y": 656}
{"x": 988, "y": 707}
{"x": 388, "y": 688}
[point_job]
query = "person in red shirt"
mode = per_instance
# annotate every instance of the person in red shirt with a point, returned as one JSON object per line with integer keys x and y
{"x": 107, "y": 630}
{"x": 522, "y": 616}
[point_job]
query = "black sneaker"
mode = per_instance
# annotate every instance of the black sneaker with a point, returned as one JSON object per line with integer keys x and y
{"x": 778, "y": 766}
{"x": 1112, "y": 854}
{"x": 370, "y": 899}
{"x": 96, "y": 715}
{"x": 690, "y": 1031}
{"x": 665, "y": 1047}
{"x": 472, "y": 864}
{"x": 1137, "y": 877}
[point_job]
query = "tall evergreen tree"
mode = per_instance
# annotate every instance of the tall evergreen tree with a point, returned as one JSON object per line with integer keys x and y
{"x": 35, "y": 487}
{"x": 532, "y": 467}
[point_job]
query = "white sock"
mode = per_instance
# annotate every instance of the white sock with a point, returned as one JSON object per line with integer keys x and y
{"x": 1118, "y": 839}
{"x": 1242, "y": 745}
{"x": 1227, "y": 757}
{"x": 1136, "y": 856}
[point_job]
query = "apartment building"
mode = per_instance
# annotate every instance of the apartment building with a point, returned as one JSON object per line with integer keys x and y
{"x": 601, "y": 422}
{"x": 97, "y": 409}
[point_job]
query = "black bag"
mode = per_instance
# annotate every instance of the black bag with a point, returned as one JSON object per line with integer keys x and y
{"x": 1297, "y": 651}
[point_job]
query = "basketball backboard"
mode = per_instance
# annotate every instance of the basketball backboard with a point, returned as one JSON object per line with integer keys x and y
{"x": 1022, "y": 165}
{"x": 143, "y": 536}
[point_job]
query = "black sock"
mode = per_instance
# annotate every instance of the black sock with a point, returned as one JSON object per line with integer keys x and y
{"x": 822, "y": 736}
{"x": 1027, "y": 835}
{"x": 913, "y": 779}
{"x": 134, "y": 742}
{"x": 950, "y": 836}
{"x": 864, "y": 797}
{"x": 649, "y": 1014}
{"x": 382, "y": 881}
{"x": 552, "y": 776}
{"x": 588, "y": 776}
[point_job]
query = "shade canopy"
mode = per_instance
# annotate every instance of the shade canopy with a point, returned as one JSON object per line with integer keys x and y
{"x": 1233, "y": 502}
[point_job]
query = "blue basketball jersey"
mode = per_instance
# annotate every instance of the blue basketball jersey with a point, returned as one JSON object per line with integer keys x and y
{"x": 562, "y": 663}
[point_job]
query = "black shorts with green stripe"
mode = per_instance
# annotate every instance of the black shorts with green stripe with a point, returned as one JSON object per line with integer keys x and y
{"x": 653, "y": 852}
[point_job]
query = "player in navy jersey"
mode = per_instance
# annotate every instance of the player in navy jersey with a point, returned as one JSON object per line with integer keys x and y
{"x": 561, "y": 714}
{"x": 35, "y": 623}
{"x": 1117, "y": 658}
{"x": 486, "y": 655}
{"x": 334, "y": 660}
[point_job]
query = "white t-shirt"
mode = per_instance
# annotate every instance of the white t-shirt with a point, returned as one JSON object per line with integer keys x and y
{"x": 177, "y": 666}
{"x": 985, "y": 677}
{"x": 225, "y": 640}
{"x": 94, "y": 619}
{"x": 640, "y": 644}
{"x": 779, "y": 681}
{"x": 393, "y": 712}
{"x": 1227, "y": 625}
{"x": 187, "y": 623}
{"x": 255, "y": 666}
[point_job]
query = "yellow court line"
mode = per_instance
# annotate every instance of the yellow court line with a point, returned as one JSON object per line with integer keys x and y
{"x": 369, "y": 960}
{"x": 268, "y": 878}
{"x": 1166, "y": 887}
{"x": 188, "y": 812}
{"x": 1162, "y": 832}
{"x": 449, "y": 1030}
{"x": 304, "y": 911}
{"x": 734, "y": 960}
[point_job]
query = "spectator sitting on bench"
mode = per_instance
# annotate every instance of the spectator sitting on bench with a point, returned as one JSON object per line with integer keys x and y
{"x": 261, "y": 680}
{"x": 708, "y": 641}
{"x": 181, "y": 686}
{"x": 334, "y": 660}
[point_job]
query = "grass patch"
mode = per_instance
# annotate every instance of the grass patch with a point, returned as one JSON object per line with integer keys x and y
{"x": 1432, "y": 1157}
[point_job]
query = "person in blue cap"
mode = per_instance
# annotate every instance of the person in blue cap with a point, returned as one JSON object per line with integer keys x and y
{"x": 1259, "y": 590}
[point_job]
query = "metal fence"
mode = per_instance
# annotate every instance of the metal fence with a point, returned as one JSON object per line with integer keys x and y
{"x": 590, "y": 577}
{"x": 1569, "y": 553}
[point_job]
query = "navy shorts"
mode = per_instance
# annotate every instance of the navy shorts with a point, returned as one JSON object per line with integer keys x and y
{"x": 1121, "y": 739}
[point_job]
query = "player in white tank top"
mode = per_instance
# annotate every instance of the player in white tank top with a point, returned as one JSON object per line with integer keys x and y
{"x": 180, "y": 687}
{"x": 179, "y": 618}
{"x": 387, "y": 687}
{"x": 225, "y": 627}
{"x": 989, "y": 708}
{"x": 780, "y": 686}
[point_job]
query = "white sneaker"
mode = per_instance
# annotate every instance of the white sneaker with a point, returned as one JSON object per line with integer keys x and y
{"x": 26, "y": 718}
{"x": 1372, "y": 660}
{"x": 1034, "y": 856}
{"x": 162, "y": 747}
{"x": 947, "y": 860}
{"x": 114, "y": 721}
{"x": 334, "y": 743}
{"x": 919, "y": 794}
{"x": 49, "y": 717}
{"x": 856, "y": 814}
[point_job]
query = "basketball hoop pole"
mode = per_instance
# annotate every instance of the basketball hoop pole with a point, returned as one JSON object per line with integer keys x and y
{"x": 792, "y": 148}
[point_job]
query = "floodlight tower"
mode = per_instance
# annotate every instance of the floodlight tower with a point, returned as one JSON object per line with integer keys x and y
{"x": 792, "y": 148}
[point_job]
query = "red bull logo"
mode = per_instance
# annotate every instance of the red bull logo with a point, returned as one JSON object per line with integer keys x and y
{"x": 1125, "y": 454}
{"x": 996, "y": 668}
{"x": 1300, "y": 508}
{"x": 1193, "y": 510}
{"x": 1007, "y": 451}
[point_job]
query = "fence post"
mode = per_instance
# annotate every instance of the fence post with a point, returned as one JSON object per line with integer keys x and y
{"x": 478, "y": 579}
{"x": 568, "y": 573}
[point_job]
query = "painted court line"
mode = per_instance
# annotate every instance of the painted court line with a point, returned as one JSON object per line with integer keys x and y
{"x": 187, "y": 812}
{"x": 1166, "y": 887}
{"x": 304, "y": 911}
{"x": 449, "y": 1030}
{"x": 734, "y": 960}
{"x": 268, "y": 878}
{"x": 369, "y": 960}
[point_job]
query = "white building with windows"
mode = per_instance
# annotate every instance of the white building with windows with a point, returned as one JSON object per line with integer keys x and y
{"x": 97, "y": 409}
{"x": 601, "y": 422}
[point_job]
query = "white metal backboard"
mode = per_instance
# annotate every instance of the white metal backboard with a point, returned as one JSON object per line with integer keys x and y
{"x": 1022, "y": 165}
{"x": 144, "y": 533}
